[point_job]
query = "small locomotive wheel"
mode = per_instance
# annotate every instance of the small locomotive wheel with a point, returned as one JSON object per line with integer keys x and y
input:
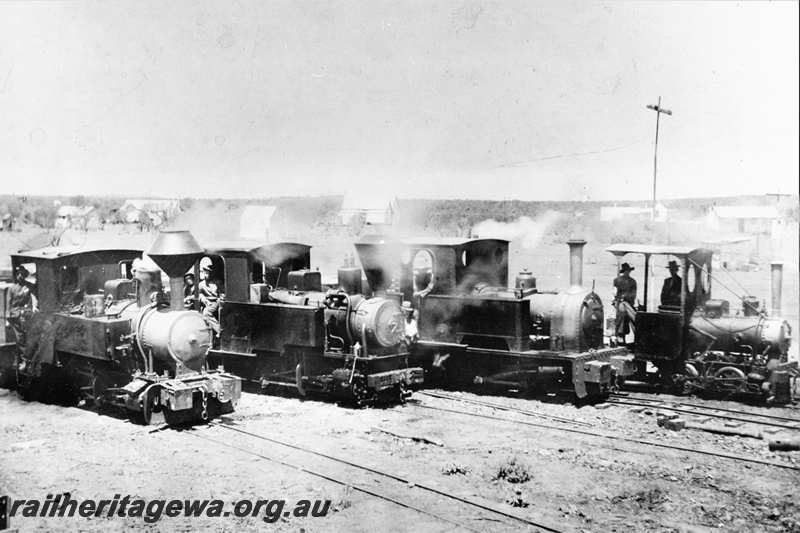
{"x": 402, "y": 393}
{"x": 359, "y": 390}
{"x": 298, "y": 379}
{"x": 150, "y": 403}
{"x": 99, "y": 385}
{"x": 27, "y": 387}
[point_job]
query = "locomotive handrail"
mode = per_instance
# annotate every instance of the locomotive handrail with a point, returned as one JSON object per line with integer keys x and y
{"x": 734, "y": 279}
{"x": 137, "y": 324}
{"x": 745, "y": 302}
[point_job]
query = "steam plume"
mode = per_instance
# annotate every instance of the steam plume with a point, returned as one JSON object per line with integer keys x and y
{"x": 525, "y": 231}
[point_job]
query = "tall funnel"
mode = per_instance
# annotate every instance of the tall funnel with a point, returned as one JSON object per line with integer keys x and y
{"x": 776, "y": 271}
{"x": 175, "y": 252}
{"x": 576, "y": 262}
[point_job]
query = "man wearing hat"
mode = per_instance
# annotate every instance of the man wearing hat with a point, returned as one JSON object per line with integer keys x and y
{"x": 211, "y": 291}
{"x": 624, "y": 300}
{"x": 20, "y": 305}
{"x": 671, "y": 291}
{"x": 188, "y": 290}
{"x": 410, "y": 315}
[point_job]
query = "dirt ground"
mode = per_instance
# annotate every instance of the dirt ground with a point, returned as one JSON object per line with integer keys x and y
{"x": 566, "y": 481}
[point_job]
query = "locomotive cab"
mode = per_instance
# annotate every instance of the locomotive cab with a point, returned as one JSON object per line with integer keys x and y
{"x": 660, "y": 328}
{"x": 694, "y": 341}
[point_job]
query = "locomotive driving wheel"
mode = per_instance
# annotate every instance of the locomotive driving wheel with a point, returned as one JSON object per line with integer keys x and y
{"x": 689, "y": 378}
{"x": 730, "y": 380}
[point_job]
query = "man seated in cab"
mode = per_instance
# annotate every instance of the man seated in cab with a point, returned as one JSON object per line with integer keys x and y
{"x": 671, "y": 290}
{"x": 188, "y": 291}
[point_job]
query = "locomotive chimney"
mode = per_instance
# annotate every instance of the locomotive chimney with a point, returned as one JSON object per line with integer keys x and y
{"x": 776, "y": 277}
{"x": 175, "y": 252}
{"x": 576, "y": 262}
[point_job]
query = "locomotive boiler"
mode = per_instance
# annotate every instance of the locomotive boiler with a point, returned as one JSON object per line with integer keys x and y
{"x": 475, "y": 330}
{"x": 279, "y": 328}
{"x": 105, "y": 332}
{"x": 697, "y": 344}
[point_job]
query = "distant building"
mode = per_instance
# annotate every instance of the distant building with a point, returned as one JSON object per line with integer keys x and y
{"x": 748, "y": 219}
{"x": 157, "y": 211}
{"x": 372, "y": 210}
{"x": 7, "y": 222}
{"x": 256, "y": 222}
{"x": 610, "y": 213}
{"x": 75, "y": 217}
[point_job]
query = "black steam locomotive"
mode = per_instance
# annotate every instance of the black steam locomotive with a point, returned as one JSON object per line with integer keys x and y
{"x": 474, "y": 330}
{"x": 279, "y": 328}
{"x": 695, "y": 344}
{"x": 104, "y": 331}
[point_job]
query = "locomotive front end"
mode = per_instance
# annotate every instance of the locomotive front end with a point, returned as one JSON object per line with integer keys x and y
{"x": 174, "y": 345}
{"x": 364, "y": 338}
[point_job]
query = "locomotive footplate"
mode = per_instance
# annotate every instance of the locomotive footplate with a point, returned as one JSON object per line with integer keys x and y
{"x": 385, "y": 380}
{"x": 183, "y": 399}
{"x": 8, "y": 354}
{"x": 589, "y": 374}
{"x": 365, "y": 386}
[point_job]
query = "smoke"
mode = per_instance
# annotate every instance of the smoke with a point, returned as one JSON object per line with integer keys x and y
{"x": 524, "y": 231}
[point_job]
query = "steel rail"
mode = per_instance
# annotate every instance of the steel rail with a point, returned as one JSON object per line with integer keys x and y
{"x": 501, "y": 407}
{"x": 389, "y": 475}
{"x": 621, "y": 438}
{"x": 699, "y": 406}
{"x": 795, "y": 427}
{"x": 341, "y": 482}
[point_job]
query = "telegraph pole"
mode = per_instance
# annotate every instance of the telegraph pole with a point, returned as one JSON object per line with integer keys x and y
{"x": 658, "y": 109}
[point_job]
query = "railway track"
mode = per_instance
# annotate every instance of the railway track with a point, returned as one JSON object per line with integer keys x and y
{"x": 496, "y": 514}
{"x": 502, "y": 407}
{"x": 708, "y": 411}
{"x": 607, "y": 436}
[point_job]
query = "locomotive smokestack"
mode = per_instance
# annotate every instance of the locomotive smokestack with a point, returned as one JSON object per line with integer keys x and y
{"x": 776, "y": 271}
{"x": 576, "y": 262}
{"x": 175, "y": 252}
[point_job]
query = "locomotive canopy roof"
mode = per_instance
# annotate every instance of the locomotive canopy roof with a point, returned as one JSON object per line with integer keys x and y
{"x": 430, "y": 241}
{"x": 58, "y": 252}
{"x": 255, "y": 247}
{"x": 272, "y": 253}
{"x": 691, "y": 252}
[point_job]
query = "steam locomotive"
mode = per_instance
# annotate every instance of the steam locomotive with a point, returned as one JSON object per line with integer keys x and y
{"x": 474, "y": 330}
{"x": 698, "y": 345}
{"x": 104, "y": 332}
{"x": 279, "y": 328}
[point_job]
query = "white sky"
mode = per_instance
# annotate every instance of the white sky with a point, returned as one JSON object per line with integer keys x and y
{"x": 431, "y": 99}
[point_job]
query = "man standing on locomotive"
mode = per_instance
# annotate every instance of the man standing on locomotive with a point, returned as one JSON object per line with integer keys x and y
{"x": 21, "y": 305}
{"x": 211, "y": 291}
{"x": 624, "y": 301}
{"x": 671, "y": 291}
